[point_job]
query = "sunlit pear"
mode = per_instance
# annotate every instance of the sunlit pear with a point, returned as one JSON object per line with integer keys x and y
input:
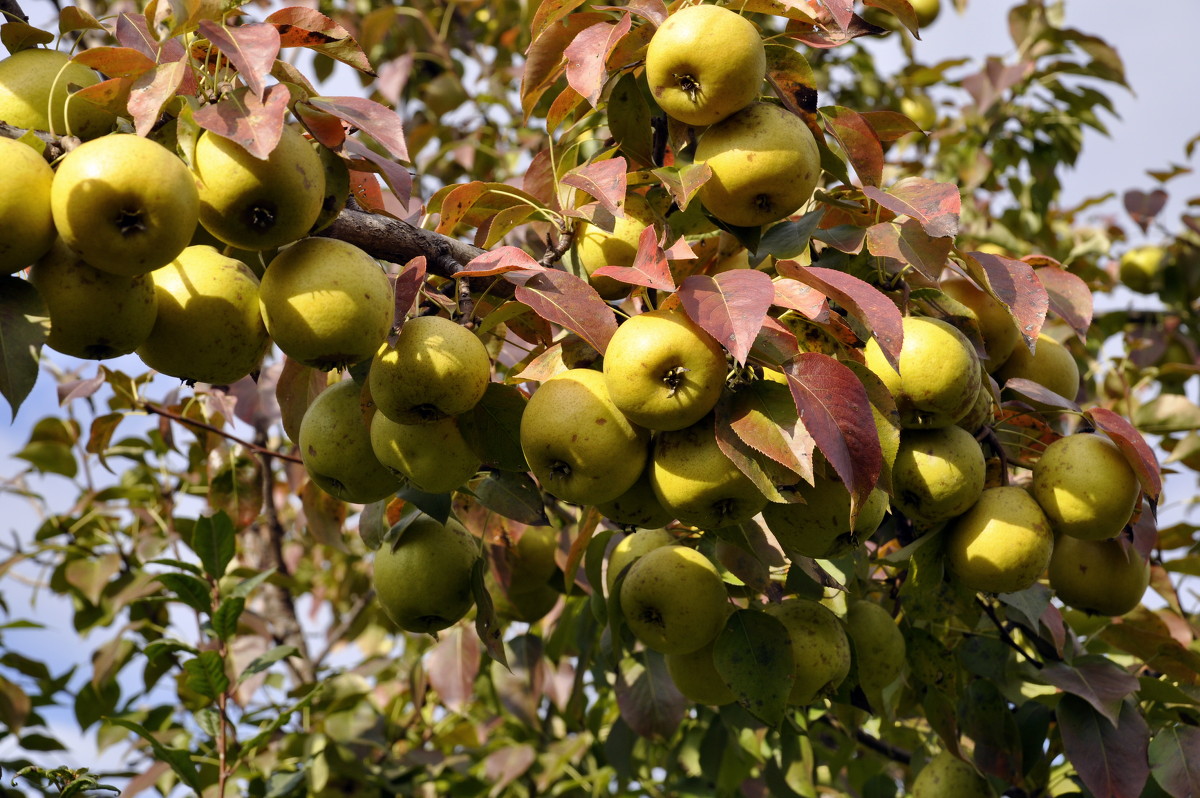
{"x": 674, "y": 600}
{"x": 258, "y": 204}
{"x": 820, "y": 648}
{"x": 1002, "y": 544}
{"x": 580, "y": 447}
{"x": 820, "y": 525}
{"x": 1000, "y": 333}
{"x": 697, "y": 483}
{"x": 947, "y": 776}
{"x": 1052, "y": 366}
{"x": 335, "y": 445}
{"x": 939, "y": 373}
{"x": 93, "y": 314}
{"x": 327, "y": 304}
{"x": 423, "y": 581}
{"x": 879, "y": 648}
{"x": 704, "y": 63}
{"x": 436, "y": 368}
{"x": 26, "y": 223}
{"x": 1085, "y": 486}
{"x": 209, "y": 328}
{"x": 695, "y": 675}
{"x": 1107, "y": 577}
{"x": 596, "y": 248}
{"x": 938, "y": 473}
{"x": 927, "y": 11}
{"x": 920, "y": 109}
{"x": 126, "y": 204}
{"x": 631, "y": 547}
{"x": 337, "y": 187}
{"x": 1140, "y": 268}
{"x": 35, "y": 92}
{"x": 432, "y": 458}
{"x": 663, "y": 371}
{"x": 765, "y": 165}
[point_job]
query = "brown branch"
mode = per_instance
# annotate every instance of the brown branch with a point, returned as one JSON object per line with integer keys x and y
{"x": 990, "y": 611}
{"x": 159, "y": 410}
{"x": 56, "y": 146}
{"x": 987, "y": 433}
{"x": 555, "y": 251}
{"x": 12, "y": 10}
{"x": 397, "y": 241}
{"x": 870, "y": 741}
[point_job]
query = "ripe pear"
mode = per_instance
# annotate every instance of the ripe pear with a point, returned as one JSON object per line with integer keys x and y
{"x": 879, "y": 648}
{"x": 983, "y": 412}
{"x": 423, "y": 581}
{"x": 435, "y": 369}
{"x": 1140, "y": 268}
{"x": 258, "y": 204}
{"x": 1052, "y": 366}
{"x": 947, "y": 776}
{"x": 820, "y": 525}
{"x": 820, "y": 648}
{"x": 674, "y": 600}
{"x": 337, "y": 187}
{"x": 126, "y": 204}
{"x": 35, "y": 93}
{"x": 630, "y": 548}
{"x": 1085, "y": 486}
{"x": 580, "y": 447}
{"x": 26, "y": 223}
{"x": 433, "y": 458}
{"x": 1002, "y": 544}
{"x": 93, "y": 314}
{"x": 938, "y": 473}
{"x": 327, "y": 304}
{"x": 704, "y": 63}
{"x": 335, "y": 445}
{"x": 1107, "y": 577}
{"x": 939, "y": 373}
{"x": 663, "y": 370}
{"x": 765, "y": 165}
{"x": 927, "y": 11}
{"x": 697, "y": 483}
{"x": 209, "y": 328}
{"x": 1000, "y": 333}
{"x": 695, "y": 675}
{"x": 637, "y": 507}
{"x": 596, "y": 248}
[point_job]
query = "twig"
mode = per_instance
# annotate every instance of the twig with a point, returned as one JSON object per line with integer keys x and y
{"x": 348, "y": 620}
{"x": 151, "y": 407}
{"x": 399, "y": 242}
{"x": 56, "y": 146}
{"x": 987, "y": 433}
{"x": 554, "y": 252}
{"x": 990, "y": 611}
{"x": 866, "y": 740}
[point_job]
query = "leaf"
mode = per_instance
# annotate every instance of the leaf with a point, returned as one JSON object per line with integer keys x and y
{"x": 629, "y": 120}
{"x": 1095, "y": 679}
{"x": 491, "y": 428}
{"x": 1111, "y": 760}
{"x": 407, "y": 287}
{"x": 793, "y": 81}
{"x": 251, "y": 48}
{"x": 764, "y": 417}
{"x": 1015, "y": 284}
{"x": 747, "y": 460}
{"x": 305, "y": 27}
{"x": 15, "y": 705}
{"x": 544, "y": 59}
{"x": 505, "y": 765}
{"x": 587, "y": 57}
{"x": 16, "y": 35}
{"x": 268, "y": 659}
{"x": 730, "y": 307}
{"x": 650, "y": 703}
{"x": 74, "y": 18}
{"x": 205, "y": 674}
{"x": 179, "y": 759}
{"x": 566, "y": 300}
{"x": 240, "y": 117}
{"x": 605, "y": 180}
{"x": 1167, "y": 412}
{"x": 225, "y": 619}
{"x": 487, "y": 626}
{"x": 683, "y": 181}
{"x": 512, "y": 494}
{"x": 859, "y": 142}
{"x": 987, "y": 720}
{"x": 650, "y": 267}
{"x": 936, "y": 206}
{"x": 191, "y": 590}
{"x": 116, "y": 62}
{"x": 1175, "y": 760}
{"x": 215, "y": 543}
{"x": 453, "y": 665}
{"x": 24, "y": 328}
{"x": 1069, "y": 297}
{"x": 753, "y": 655}
{"x": 377, "y": 121}
{"x": 1131, "y": 443}
{"x": 297, "y": 387}
{"x": 235, "y": 484}
{"x": 398, "y": 179}
{"x": 1142, "y": 207}
{"x": 1039, "y": 393}
{"x": 500, "y": 261}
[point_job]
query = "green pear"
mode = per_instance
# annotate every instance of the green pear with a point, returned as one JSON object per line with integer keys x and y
{"x": 27, "y": 232}
{"x": 523, "y": 606}
{"x": 820, "y": 525}
{"x": 947, "y": 776}
{"x": 637, "y": 507}
{"x": 820, "y": 648}
{"x": 879, "y": 649}
{"x": 938, "y": 380}
{"x": 983, "y": 412}
{"x": 35, "y": 92}
{"x": 423, "y": 581}
{"x": 1085, "y": 486}
{"x": 596, "y": 248}
{"x": 337, "y": 187}
{"x": 695, "y": 675}
{"x": 1051, "y": 365}
{"x": 1000, "y": 333}
{"x": 1002, "y": 544}
{"x": 1141, "y": 268}
{"x": 630, "y": 548}
{"x": 433, "y": 458}
{"x": 938, "y": 473}
{"x": 674, "y": 600}
{"x": 532, "y": 559}
{"x": 335, "y": 445}
{"x": 1107, "y": 577}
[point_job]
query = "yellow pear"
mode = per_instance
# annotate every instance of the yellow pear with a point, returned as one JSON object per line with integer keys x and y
{"x": 435, "y": 369}
{"x": 939, "y": 373}
{"x": 938, "y": 473}
{"x": 596, "y": 248}
{"x": 663, "y": 371}
{"x": 26, "y": 223}
{"x": 327, "y": 304}
{"x": 1085, "y": 486}
{"x": 630, "y": 547}
{"x": 820, "y": 525}
{"x": 820, "y": 648}
{"x": 423, "y": 581}
{"x": 1051, "y": 365}
{"x": 695, "y": 675}
{"x": 35, "y": 93}
{"x": 674, "y": 600}
{"x": 996, "y": 324}
{"x": 93, "y": 314}
{"x": 209, "y": 328}
{"x": 1141, "y": 268}
{"x": 879, "y": 648}
{"x": 983, "y": 412}
{"x": 1002, "y": 544}
{"x": 335, "y": 445}
{"x": 637, "y": 507}
{"x": 1107, "y": 577}
{"x": 927, "y": 11}
{"x": 433, "y": 458}
{"x": 947, "y": 776}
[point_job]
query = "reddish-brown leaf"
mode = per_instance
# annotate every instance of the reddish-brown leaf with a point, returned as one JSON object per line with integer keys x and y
{"x": 398, "y": 179}
{"x": 306, "y": 27}
{"x": 1111, "y": 759}
{"x": 802, "y": 298}
{"x": 1142, "y": 207}
{"x": 1016, "y": 285}
{"x": 858, "y": 141}
{"x": 730, "y": 307}
{"x": 151, "y": 91}
{"x": 793, "y": 81}
{"x": 745, "y": 457}
{"x": 1039, "y": 393}
{"x": 453, "y": 666}
{"x": 1069, "y": 297}
{"x": 846, "y": 238}
{"x": 1097, "y": 680}
{"x": 890, "y": 125}
{"x": 936, "y": 206}
{"x": 653, "y": 11}
{"x": 251, "y": 48}
{"x": 325, "y": 128}
{"x": 836, "y": 411}
{"x": 649, "y": 267}
{"x": 649, "y": 701}
{"x": 683, "y": 181}
{"x": 408, "y": 285}
{"x": 500, "y": 261}
{"x": 587, "y": 57}
{"x": 842, "y": 11}
{"x": 544, "y": 58}
{"x": 132, "y": 32}
{"x": 241, "y": 118}
{"x": 764, "y": 417}
{"x": 116, "y": 62}
{"x": 1131, "y": 443}
{"x": 365, "y": 188}
{"x": 297, "y": 387}
{"x": 927, "y": 253}
{"x": 604, "y": 180}
{"x": 566, "y": 300}
{"x": 379, "y": 122}
{"x": 775, "y": 343}
{"x": 551, "y": 11}
{"x": 505, "y": 765}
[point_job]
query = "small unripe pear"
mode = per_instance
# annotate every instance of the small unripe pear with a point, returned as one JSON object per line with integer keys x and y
{"x": 1051, "y": 365}
{"x": 335, "y": 445}
{"x": 424, "y": 581}
{"x": 947, "y": 776}
{"x": 27, "y": 229}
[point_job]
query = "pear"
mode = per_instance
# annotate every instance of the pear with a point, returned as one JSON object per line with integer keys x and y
{"x": 820, "y": 525}
{"x": 326, "y": 303}
{"x": 1107, "y": 577}
{"x": 674, "y": 600}
{"x": 433, "y": 458}
{"x": 983, "y": 412}
{"x": 1140, "y": 268}
{"x": 209, "y": 328}
{"x": 531, "y": 558}
{"x": 1051, "y": 365}
{"x": 947, "y": 776}
{"x": 820, "y": 648}
{"x": 27, "y": 229}
{"x": 93, "y": 314}
{"x": 879, "y": 649}
{"x": 630, "y": 548}
{"x": 423, "y": 581}
{"x": 1002, "y": 544}
{"x": 637, "y": 507}
{"x": 596, "y": 248}
{"x": 435, "y": 369}
{"x": 335, "y": 445}
{"x": 523, "y": 606}
{"x": 1085, "y": 486}
{"x": 695, "y": 675}
{"x": 35, "y": 92}
{"x": 1000, "y": 333}
{"x": 938, "y": 380}
{"x": 938, "y": 473}
{"x": 337, "y": 187}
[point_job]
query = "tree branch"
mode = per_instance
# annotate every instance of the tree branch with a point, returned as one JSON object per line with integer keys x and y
{"x": 159, "y": 410}
{"x": 56, "y": 146}
{"x": 399, "y": 242}
{"x": 12, "y": 10}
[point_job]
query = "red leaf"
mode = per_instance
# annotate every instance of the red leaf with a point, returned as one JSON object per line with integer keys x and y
{"x": 151, "y": 91}
{"x": 764, "y": 417}
{"x": 927, "y": 253}
{"x": 842, "y": 11}
{"x": 775, "y": 342}
{"x": 1069, "y": 297}
{"x": 742, "y": 455}
{"x": 1131, "y": 443}
{"x": 935, "y": 206}
{"x": 500, "y": 261}
{"x": 379, "y": 122}
{"x": 890, "y": 125}
{"x": 861, "y": 300}
{"x": 730, "y": 307}
{"x": 802, "y": 298}
{"x": 116, "y": 62}
{"x": 683, "y": 181}
{"x": 250, "y": 48}
{"x": 566, "y": 300}
{"x": 836, "y": 411}
{"x": 544, "y": 58}
{"x": 604, "y": 180}
{"x": 1016, "y": 285}
{"x": 453, "y": 666}
{"x": 587, "y": 57}
{"x": 649, "y": 265}
{"x": 241, "y": 118}
{"x": 304, "y": 27}
{"x": 408, "y": 285}
{"x": 1110, "y": 759}
{"x": 1097, "y": 680}
{"x": 1143, "y": 207}
{"x": 653, "y": 11}
{"x": 680, "y": 250}
{"x": 859, "y": 142}
{"x": 398, "y": 178}
{"x": 132, "y": 32}
{"x": 364, "y": 187}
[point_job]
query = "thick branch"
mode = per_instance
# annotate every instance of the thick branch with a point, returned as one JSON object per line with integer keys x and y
{"x": 56, "y": 146}
{"x": 12, "y": 10}
{"x": 399, "y": 242}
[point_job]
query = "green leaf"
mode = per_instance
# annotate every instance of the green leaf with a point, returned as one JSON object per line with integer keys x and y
{"x": 753, "y": 655}
{"x": 24, "y": 328}
{"x": 1168, "y": 412}
{"x": 179, "y": 760}
{"x": 267, "y": 732}
{"x": 209, "y": 721}
{"x": 491, "y": 427}
{"x": 260, "y": 664}
{"x": 206, "y": 674}
{"x": 435, "y": 505}
{"x": 191, "y": 590}
{"x": 225, "y": 619}
{"x": 246, "y": 586}
{"x": 215, "y": 543}
{"x": 15, "y": 705}
{"x": 513, "y": 495}
{"x": 487, "y": 625}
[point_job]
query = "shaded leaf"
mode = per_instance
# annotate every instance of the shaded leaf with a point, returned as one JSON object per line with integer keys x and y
{"x": 24, "y": 327}
{"x": 268, "y": 659}
{"x": 487, "y": 625}
{"x": 407, "y": 288}
{"x": 1131, "y": 443}
{"x": 568, "y": 301}
{"x": 512, "y": 494}
{"x": 206, "y": 674}
{"x": 215, "y": 543}
{"x": 73, "y": 18}
{"x": 987, "y": 720}
{"x": 398, "y": 179}
{"x": 730, "y": 307}
{"x": 1168, "y": 412}
{"x": 1110, "y": 759}
{"x": 1015, "y": 284}
{"x": 254, "y": 125}
{"x": 453, "y": 665}
{"x": 648, "y": 699}
{"x": 1097, "y": 680}
{"x": 491, "y": 428}
{"x": 506, "y": 765}
{"x": 544, "y": 58}
{"x": 15, "y": 705}
{"x": 225, "y": 619}
{"x": 764, "y": 417}
{"x": 683, "y": 181}
{"x": 650, "y": 267}
{"x": 191, "y": 590}
{"x": 1175, "y": 760}
{"x": 1142, "y": 207}
{"x": 753, "y": 655}
{"x": 1039, "y": 393}
{"x": 251, "y": 48}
